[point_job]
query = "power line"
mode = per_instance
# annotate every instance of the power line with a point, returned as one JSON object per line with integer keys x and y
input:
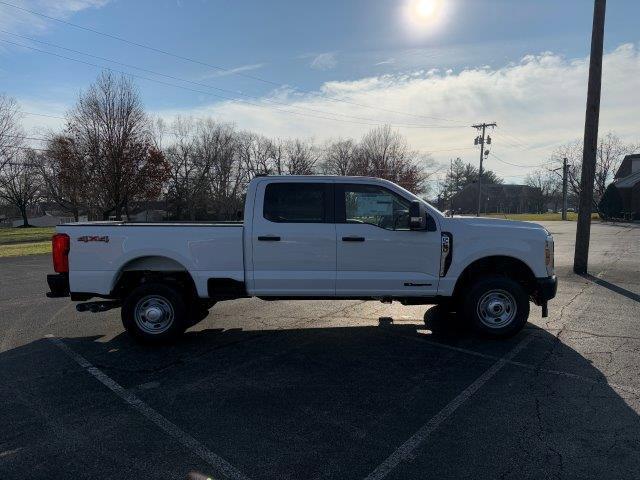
{"x": 23, "y": 137}
{"x": 217, "y": 95}
{"x": 518, "y": 165}
{"x": 217, "y": 67}
{"x": 41, "y": 114}
{"x": 450, "y": 149}
{"x": 20, "y": 147}
{"x": 232, "y": 92}
{"x": 514, "y": 138}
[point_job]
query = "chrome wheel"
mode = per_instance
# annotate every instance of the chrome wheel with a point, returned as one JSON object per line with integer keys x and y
{"x": 497, "y": 308}
{"x": 154, "y": 314}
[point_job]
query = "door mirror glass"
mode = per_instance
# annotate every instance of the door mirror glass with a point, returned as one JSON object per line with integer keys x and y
{"x": 417, "y": 216}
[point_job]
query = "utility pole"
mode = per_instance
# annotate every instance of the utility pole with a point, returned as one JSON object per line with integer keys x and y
{"x": 565, "y": 181}
{"x": 480, "y": 140}
{"x": 451, "y": 194}
{"x": 585, "y": 205}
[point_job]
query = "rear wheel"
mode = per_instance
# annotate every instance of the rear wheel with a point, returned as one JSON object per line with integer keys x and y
{"x": 497, "y": 306}
{"x": 155, "y": 313}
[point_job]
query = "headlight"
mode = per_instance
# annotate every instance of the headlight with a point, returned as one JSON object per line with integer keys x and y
{"x": 548, "y": 255}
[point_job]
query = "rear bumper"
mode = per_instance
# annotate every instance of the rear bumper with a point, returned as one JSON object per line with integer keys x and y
{"x": 58, "y": 285}
{"x": 546, "y": 289}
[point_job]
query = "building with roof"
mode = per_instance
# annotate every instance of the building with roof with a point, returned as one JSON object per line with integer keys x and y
{"x": 498, "y": 198}
{"x": 627, "y": 179}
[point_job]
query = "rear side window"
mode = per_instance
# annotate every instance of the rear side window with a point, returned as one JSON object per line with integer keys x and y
{"x": 296, "y": 202}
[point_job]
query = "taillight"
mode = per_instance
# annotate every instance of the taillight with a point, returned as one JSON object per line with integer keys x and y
{"x": 60, "y": 249}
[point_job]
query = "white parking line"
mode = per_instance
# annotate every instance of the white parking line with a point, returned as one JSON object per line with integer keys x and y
{"x": 407, "y": 449}
{"x": 220, "y": 464}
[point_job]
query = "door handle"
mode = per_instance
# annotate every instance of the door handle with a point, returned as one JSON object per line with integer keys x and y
{"x": 269, "y": 238}
{"x": 353, "y": 239}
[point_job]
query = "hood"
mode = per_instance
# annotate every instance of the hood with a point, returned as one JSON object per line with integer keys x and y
{"x": 491, "y": 223}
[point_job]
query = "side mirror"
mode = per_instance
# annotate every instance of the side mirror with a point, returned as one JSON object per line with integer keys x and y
{"x": 417, "y": 216}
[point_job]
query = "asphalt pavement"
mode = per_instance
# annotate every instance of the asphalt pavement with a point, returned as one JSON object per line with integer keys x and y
{"x": 329, "y": 390}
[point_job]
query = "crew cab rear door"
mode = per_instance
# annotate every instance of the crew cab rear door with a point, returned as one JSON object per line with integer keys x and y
{"x": 294, "y": 238}
{"x": 377, "y": 254}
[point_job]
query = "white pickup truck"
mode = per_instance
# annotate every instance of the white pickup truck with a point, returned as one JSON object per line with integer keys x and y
{"x": 308, "y": 237}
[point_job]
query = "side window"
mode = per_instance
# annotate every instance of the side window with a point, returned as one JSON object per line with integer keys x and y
{"x": 295, "y": 202}
{"x": 375, "y": 206}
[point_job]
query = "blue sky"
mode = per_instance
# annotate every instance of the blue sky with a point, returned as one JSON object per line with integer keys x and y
{"x": 502, "y": 60}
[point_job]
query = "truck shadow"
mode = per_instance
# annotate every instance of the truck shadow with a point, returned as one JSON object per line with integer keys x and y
{"x": 320, "y": 403}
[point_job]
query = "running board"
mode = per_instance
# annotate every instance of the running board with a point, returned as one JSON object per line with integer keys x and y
{"x": 95, "y": 307}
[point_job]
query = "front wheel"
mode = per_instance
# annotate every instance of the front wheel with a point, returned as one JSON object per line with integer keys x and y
{"x": 497, "y": 306}
{"x": 155, "y": 313}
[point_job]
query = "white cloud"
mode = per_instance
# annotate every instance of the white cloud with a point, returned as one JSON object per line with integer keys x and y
{"x": 232, "y": 71}
{"x": 15, "y": 19}
{"x": 538, "y": 102}
{"x": 324, "y": 61}
{"x": 389, "y": 61}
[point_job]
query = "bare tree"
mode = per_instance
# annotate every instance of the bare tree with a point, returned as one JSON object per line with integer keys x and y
{"x": 259, "y": 155}
{"x": 300, "y": 157}
{"x": 11, "y": 134}
{"x": 216, "y": 148}
{"x": 187, "y": 179}
{"x": 611, "y": 151}
{"x": 64, "y": 175}
{"x": 112, "y": 134}
{"x": 208, "y": 169}
{"x": 385, "y": 153}
{"x": 549, "y": 187}
{"x": 20, "y": 183}
{"x": 339, "y": 157}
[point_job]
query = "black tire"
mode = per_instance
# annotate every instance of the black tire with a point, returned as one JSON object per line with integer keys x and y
{"x": 139, "y": 311}
{"x": 496, "y": 306}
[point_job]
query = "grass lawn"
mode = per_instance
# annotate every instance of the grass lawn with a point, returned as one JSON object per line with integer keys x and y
{"x": 22, "y": 249}
{"x": 16, "y": 242}
{"x": 540, "y": 217}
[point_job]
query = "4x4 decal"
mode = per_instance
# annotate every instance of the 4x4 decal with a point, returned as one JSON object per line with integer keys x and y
{"x": 94, "y": 238}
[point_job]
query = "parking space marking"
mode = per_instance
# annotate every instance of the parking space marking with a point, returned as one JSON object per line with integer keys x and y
{"x": 407, "y": 449}
{"x": 220, "y": 464}
{"x": 616, "y": 386}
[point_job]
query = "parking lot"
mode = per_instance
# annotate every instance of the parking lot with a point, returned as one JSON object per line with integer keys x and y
{"x": 340, "y": 390}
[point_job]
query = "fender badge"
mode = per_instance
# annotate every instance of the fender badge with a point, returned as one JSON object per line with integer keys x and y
{"x": 93, "y": 238}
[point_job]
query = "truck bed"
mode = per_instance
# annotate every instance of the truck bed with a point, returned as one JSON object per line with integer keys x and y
{"x": 101, "y": 251}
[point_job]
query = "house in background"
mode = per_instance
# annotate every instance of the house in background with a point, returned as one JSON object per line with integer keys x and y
{"x": 498, "y": 198}
{"x": 627, "y": 179}
{"x": 48, "y": 220}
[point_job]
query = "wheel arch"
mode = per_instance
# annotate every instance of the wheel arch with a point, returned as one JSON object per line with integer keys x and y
{"x": 146, "y": 268}
{"x": 504, "y": 265}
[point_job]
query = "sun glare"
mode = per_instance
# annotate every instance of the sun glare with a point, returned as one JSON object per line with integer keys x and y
{"x": 424, "y": 15}
{"x": 426, "y": 9}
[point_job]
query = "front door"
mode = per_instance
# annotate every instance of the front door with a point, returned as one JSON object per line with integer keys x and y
{"x": 294, "y": 239}
{"x": 377, "y": 254}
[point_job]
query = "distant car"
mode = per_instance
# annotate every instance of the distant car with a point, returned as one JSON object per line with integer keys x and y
{"x": 572, "y": 210}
